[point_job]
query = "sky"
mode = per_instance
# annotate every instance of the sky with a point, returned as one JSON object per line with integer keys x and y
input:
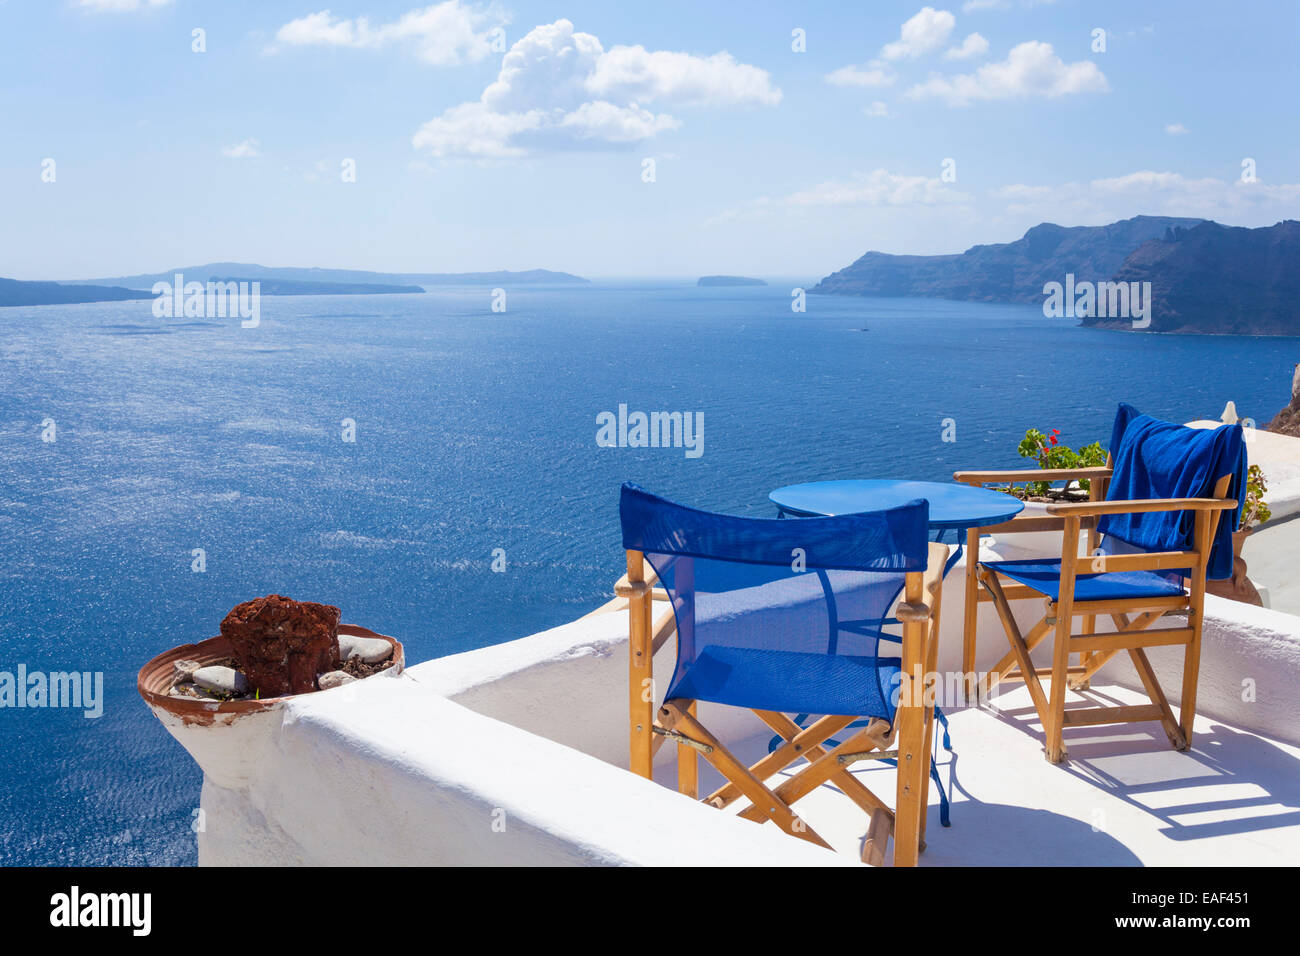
{"x": 624, "y": 139}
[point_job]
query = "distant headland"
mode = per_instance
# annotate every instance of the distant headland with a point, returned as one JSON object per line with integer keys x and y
{"x": 274, "y": 281}
{"x": 1195, "y": 275}
{"x": 254, "y": 272}
{"x": 18, "y": 292}
{"x": 293, "y": 287}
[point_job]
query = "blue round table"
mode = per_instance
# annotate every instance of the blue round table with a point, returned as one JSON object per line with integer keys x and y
{"x": 953, "y": 506}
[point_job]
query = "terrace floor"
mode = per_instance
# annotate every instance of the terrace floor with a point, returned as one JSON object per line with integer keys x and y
{"x": 1123, "y": 798}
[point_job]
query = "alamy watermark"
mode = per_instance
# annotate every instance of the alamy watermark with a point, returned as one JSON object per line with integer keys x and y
{"x": 213, "y": 300}
{"x": 651, "y": 430}
{"x": 74, "y": 908}
{"x": 1104, "y": 300}
{"x": 75, "y": 690}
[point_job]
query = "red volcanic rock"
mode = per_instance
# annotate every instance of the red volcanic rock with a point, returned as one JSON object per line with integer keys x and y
{"x": 281, "y": 645}
{"x": 1287, "y": 421}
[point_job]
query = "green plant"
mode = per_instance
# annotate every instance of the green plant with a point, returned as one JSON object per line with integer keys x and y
{"x": 1048, "y": 451}
{"x": 1256, "y": 510}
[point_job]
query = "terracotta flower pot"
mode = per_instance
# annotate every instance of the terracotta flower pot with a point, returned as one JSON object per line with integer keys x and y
{"x": 1238, "y": 587}
{"x": 226, "y": 738}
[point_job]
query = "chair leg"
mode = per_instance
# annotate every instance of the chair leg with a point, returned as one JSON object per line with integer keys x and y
{"x": 827, "y": 766}
{"x": 1191, "y": 672}
{"x": 927, "y": 748}
{"x": 1019, "y": 647}
{"x": 1143, "y": 666}
{"x": 1061, "y": 650}
{"x": 1055, "y": 723}
{"x": 688, "y": 770}
{"x": 674, "y": 715}
{"x": 1098, "y": 659}
{"x": 853, "y": 788}
{"x": 877, "y": 840}
{"x": 970, "y": 622}
{"x": 800, "y": 742}
{"x": 640, "y": 671}
{"x": 1011, "y": 659}
{"x": 1083, "y": 682}
{"x": 913, "y": 775}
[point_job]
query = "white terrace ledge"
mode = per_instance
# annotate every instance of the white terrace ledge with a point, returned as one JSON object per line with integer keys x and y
{"x": 516, "y": 754}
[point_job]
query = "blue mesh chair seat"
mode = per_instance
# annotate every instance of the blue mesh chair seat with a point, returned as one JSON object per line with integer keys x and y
{"x": 785, "y": 617}
{"x": 1172, "y": 498}
{"x": 1045, "y": 578}
{"x": 789, "y": 681}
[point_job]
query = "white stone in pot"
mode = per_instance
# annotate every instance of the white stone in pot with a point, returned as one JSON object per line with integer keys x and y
{"x": 335, "y": 679}
{"x": 370, "y": 650}
{"x": 220, "y": 680}
{"x": 185, "y": 669}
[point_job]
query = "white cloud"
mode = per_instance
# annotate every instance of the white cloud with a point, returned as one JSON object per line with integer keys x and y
{"x": 633, "y": 73}
{"x": 1023, "y": 193}
{"x": 1146, "y": 180}
{"x": 560, "y": 89}
{"x": 120, "y": 6}
{"x": 1153, "y": 193}
{"x": 602, "y": 121}
{"x": 879, "y": 188}
{"x": 444, "y": 34}
{"x": 1175, "y": 129}
{"x": 246, "y": 149}
{"x": 974, "y": 45}
{"x": 1030, "y": 69}
{"x": 878, "y": 109}
{"x": 874, "y": 74}
{"x": 923, "y": 33}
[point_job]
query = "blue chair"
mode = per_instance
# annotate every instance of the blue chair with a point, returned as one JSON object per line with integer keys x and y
{"x": 1172, "y": 498}
{"x": 762, "y": 610}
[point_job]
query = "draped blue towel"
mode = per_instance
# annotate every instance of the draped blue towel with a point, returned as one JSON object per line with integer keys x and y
{"x": 1158, "y": 459}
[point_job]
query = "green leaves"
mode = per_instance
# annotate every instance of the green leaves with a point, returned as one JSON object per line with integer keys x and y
{"x": 1048, "y": 451}
{"x": 1257, "y": 511}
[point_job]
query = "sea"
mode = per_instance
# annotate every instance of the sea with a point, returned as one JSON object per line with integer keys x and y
{"x": 433, "y": 467}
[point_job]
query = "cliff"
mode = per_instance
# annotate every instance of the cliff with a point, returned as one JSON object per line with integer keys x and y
{"x": 1006, "y": 272}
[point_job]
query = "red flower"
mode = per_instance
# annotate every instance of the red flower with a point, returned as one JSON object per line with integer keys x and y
{"x": 1053, "y": 439}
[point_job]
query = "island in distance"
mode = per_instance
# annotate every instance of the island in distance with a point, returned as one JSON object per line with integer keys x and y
{"x": 264, "y": 274}
{"x": 18, "y": 292}
{"x": 706, "y": 281}
{"x": 291, "y": 287}
{"x": 274, "y": 281}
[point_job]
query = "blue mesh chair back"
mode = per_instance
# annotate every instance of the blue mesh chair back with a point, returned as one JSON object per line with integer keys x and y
{"x": 780, "y": 615}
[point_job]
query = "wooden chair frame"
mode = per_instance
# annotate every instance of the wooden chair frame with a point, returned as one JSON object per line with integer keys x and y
{"x": 913, "y": 726}
{"x": 1132, "y": 634}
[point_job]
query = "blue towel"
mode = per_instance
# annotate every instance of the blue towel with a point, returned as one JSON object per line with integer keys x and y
{"x": 1158, "y": 459}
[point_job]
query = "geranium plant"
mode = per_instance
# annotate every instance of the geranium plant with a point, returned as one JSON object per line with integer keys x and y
{"x": 1256, "y": 510}
{"x": 1049, "y": 452}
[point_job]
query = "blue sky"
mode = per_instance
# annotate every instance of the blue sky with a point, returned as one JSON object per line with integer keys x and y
{"x": 515, "y": 134}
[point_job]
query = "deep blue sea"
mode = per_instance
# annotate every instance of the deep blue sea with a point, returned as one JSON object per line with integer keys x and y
{"x": 475, "y": 431}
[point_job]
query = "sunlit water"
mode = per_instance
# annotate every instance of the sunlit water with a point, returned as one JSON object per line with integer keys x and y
{"x": 474, "y": 431}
